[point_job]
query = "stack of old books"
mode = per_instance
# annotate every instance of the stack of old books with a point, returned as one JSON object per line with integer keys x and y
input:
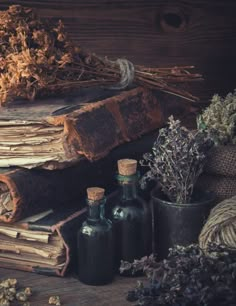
{"x": 50, "y": 152}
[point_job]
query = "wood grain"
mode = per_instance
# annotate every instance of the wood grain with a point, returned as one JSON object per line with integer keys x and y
{"x": 71, "y": 291}
{"x": 141, "y": 31}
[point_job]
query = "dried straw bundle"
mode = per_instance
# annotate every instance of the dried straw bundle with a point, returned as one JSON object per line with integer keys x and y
{"x": 220, "y": 227}
{"x": 37, "y": 58}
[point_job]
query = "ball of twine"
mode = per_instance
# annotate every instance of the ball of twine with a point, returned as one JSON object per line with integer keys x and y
{"x": 220, "y": 227}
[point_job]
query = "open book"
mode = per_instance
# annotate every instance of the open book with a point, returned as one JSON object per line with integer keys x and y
{"x": 44, "y": 244}
{"x": 54, "y": 133}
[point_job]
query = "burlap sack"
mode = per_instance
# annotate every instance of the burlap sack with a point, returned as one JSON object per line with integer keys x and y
{"x": 220, "y": 172}
{"x": 224, "y": 187}
{"x": 222, "y": 161}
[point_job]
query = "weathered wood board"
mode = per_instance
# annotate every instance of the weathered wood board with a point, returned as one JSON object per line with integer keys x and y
{"x": 155, "y": 32}
{"x": 71, "y": 291}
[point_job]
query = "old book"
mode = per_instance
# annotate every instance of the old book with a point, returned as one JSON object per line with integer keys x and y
{"x": 24, "y": 192}
{"x": 45, "y": 245}
{"x": 55, "y": 133}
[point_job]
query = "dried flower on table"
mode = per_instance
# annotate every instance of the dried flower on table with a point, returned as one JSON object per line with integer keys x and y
{"x": 54, "y": 300}
{"x": 21, "y": 296}
{"x": 10, "y": 293}
{"x": 28, "y": 291}
{"x": 4, "y": 302}
{"x": 37, "y": 58}
{"x": 8, "y": 283}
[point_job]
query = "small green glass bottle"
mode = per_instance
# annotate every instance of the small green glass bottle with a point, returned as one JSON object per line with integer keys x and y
{"x": 95, "y": 245}
{"x": 130, "y": 215}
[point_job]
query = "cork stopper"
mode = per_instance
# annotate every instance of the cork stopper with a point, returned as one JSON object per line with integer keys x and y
{"x": 127, "y": 166}
{"x": 95, "y": 193}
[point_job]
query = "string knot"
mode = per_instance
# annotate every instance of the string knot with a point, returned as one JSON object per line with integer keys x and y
{"x": 126, "y": 72}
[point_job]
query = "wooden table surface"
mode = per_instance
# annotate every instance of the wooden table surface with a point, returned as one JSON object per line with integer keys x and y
{"x": 71, "y": 291}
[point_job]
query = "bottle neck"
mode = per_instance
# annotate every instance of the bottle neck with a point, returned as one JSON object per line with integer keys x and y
{"x": 128, "y": 186}
{"x": 96, "y": 210}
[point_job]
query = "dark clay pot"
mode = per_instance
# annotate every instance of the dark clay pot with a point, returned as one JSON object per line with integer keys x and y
{"x": 178, "y": 224}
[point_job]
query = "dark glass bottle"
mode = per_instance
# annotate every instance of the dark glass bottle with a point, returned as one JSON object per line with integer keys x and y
{"x": 95, "y": 248}
{"x": 130, "y": 215}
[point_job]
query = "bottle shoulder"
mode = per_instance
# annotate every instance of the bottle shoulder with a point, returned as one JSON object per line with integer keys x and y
{"x": 89, "y": 228}
{"x": 132, "y": 204}
{"x": 130, "y": 210}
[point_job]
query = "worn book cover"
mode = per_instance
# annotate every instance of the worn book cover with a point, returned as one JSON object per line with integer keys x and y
{"x": 55, "y": 133}
{"x": 43, "y": 244}
{"x": 24, "y": 192}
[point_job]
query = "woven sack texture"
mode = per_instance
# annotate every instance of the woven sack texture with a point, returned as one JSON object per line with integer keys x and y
{"x": 222, "y": 161}
{"x": 224, "y": 187}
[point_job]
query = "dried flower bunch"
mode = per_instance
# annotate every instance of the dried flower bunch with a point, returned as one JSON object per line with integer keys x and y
{"x": 177, "y": 160}
{"x": 219, "y": 119}
{"x": 10, "y": 293}
{"x": 187, "y": 278}
{"x": 37, "y": 58}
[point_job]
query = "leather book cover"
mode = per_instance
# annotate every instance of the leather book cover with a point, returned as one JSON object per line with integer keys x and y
{"x": 30, "y": 252}
{"x": 24, "y": 192}
{"x": 57, "y": 133}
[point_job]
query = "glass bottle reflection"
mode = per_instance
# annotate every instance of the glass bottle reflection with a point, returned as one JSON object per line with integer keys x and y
{"x": 95, "y": 243}
{"x": 130, "y": 215}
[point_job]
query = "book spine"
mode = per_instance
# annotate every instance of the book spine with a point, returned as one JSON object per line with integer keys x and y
{"x": 34, "y": 191}
{"x": 96, "y": 129}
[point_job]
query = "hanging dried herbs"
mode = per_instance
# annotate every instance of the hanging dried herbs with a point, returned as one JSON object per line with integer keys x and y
{"x": 37, "y": 58}
{"x": 187, "y": 278}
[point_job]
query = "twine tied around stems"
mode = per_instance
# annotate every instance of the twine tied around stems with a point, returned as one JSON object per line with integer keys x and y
{"x": 126, "y": 72}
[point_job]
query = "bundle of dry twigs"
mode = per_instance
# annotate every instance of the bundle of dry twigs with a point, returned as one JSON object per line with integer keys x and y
{"x": 37, "y": 58}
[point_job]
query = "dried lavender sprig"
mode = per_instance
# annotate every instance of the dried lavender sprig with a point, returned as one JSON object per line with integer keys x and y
{"x": 176, "y": 161}
{"x": 189, "y": 278}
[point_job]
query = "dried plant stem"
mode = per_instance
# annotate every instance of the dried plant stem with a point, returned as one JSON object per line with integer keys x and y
{"x": 37, "y": 58}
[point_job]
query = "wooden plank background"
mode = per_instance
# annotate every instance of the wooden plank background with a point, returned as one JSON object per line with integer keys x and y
{"x": 155, "y": 33}
{"x": 71, "y": 291}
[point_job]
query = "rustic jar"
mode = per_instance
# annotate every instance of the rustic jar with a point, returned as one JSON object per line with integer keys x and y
{"x": 178, "y": 224}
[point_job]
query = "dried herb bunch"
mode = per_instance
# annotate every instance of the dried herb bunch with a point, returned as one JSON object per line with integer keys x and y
{"x": 176, "y": 161}
{"x": 187, "y": 278}
{"x": 219, "y": 119}
{"x": 37, "y": 58}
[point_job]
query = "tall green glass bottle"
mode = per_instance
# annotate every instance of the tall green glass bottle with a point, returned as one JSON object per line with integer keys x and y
{"x": 95, "y": 244}
{"x": 130, "y": 215}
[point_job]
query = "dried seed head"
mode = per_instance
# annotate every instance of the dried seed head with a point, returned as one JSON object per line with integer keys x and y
{"x": 21, "y": 296}
{"x": 4, "y": 302}
{"x": 54, "y": 300}
{"x": 28, "y": 291}
{"x": 8, "y": 293}
{"x": 12, "y": 290}
{"x": 7, "y": 283}
{"x": 10, "y": 297}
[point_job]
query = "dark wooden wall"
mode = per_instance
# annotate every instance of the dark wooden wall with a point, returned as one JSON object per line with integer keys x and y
{"x": 155, "y": 33}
